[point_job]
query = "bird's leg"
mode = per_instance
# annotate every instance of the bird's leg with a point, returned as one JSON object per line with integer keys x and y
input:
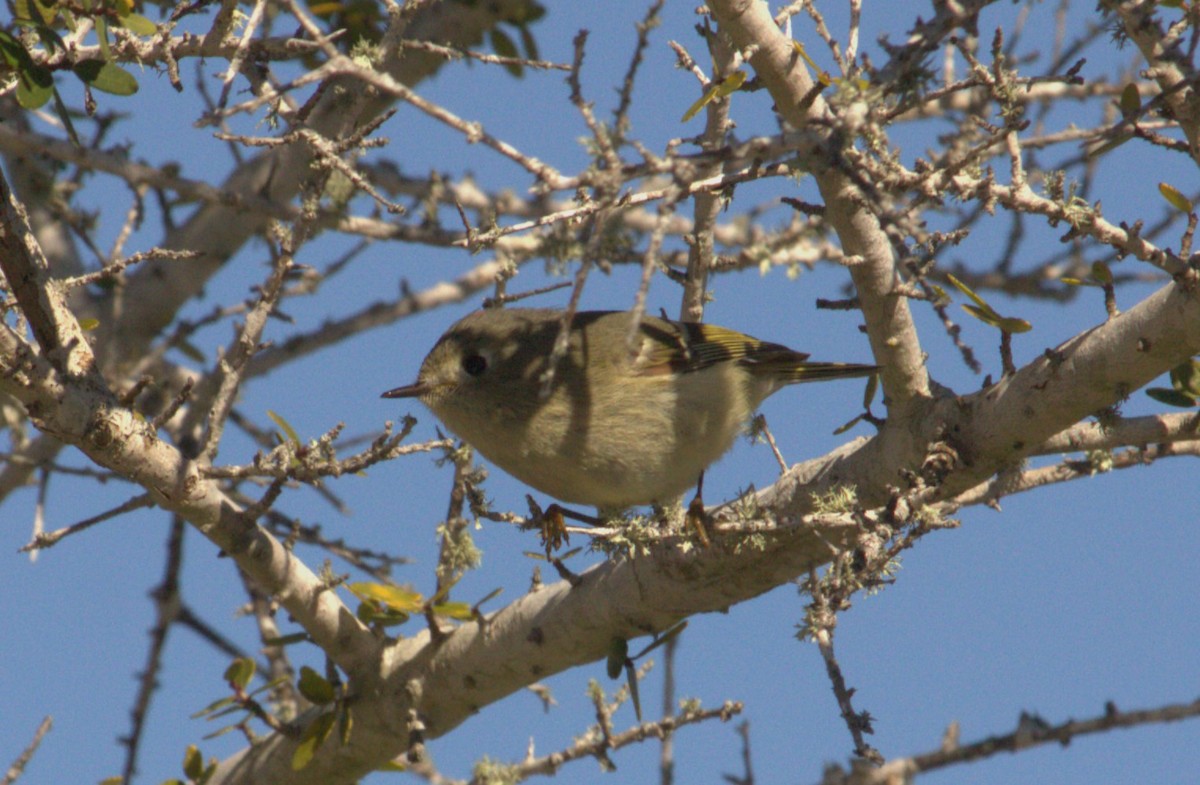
{"x": 552, "y": 524}
{"x": 696, "y": 514}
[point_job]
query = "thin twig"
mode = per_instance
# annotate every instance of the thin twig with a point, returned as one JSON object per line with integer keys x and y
{"x": 17, "y": 767}
{"x": 43, "y": 541}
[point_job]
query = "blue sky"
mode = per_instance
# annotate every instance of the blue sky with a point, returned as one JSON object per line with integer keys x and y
{"x": 1070, "y": 597}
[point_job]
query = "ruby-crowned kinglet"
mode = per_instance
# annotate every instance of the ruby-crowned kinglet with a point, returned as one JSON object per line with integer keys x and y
{"x": 624, "y": 422}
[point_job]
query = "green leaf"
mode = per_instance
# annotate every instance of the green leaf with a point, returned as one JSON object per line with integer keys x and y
{"x": 670, "y": 633}
{"x": 137, "y": 24}
{"x": 286, "y": 640}
{"x": 316, "y": 687}
{"x": 102, "y": 37}
{"x": 106, "y": 77}
{"x": 193, "y": 762}
{"x": 985, "y": 314}
{"x": 528, "y": 43}
{"x": 940, "y": 296}
{"x": 1171, "y": 397}
{"x": 843, "y": 428}
{"x": 35, "y": 86}
{"x": 1131, "y": 101}
{"x": 1186, "y": 378}
{"x": 284, "y": 426}
{"x": 504, "y": 46}
{"x": 1102, "y": 273}
{"x": 64, "y": 115}
{"x": 273, "y": 684}
{"x": 191, "y": 351}
{"x": 631, "y": 680}
{"x": 13, "y": 51}
{"x": 240, "y": 672}
{"x": 618, "y": 653}
{"x": 490, "y": 596}
{"x": 34, "y": 11}
{"x": 1111, "y": 144}
{"x": 214, "y": 706}
{"x": 222, "y": 731}
{"x": 869, "y": 393}
{"x": 1175, "y": 198}
{"x": 371, "y": 612}
{"x": 969, "y": 292}
{"x": 88, "y": 324}
{"x": 312, "y": 739}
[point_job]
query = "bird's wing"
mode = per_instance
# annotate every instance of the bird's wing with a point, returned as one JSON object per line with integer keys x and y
{"x": 683, "y": 347}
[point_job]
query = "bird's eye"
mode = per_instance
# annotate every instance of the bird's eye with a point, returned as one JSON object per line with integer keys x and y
{"x": 474, "y": 364}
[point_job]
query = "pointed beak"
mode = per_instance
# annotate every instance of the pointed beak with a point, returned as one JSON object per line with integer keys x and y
{"x": 408, "y": 391}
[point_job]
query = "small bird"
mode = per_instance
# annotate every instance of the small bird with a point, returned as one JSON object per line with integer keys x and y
{"x": 628, "y": 418}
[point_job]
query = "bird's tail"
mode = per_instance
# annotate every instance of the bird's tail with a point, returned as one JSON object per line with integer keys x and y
{"x": 820, "y": 372}
{"x": 787, "y": 366}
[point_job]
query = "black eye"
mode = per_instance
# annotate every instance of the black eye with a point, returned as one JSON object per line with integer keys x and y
{"x": 474, "y": 364}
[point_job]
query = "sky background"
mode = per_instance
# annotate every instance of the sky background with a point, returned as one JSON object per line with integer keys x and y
{"x": 1070, "y": 597}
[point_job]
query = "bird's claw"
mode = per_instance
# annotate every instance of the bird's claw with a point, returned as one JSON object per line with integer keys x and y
{"x": 551, "y": 524}
{"x": 696, "y": 518}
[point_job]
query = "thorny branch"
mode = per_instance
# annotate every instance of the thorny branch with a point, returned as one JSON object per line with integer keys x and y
{"x": 839, "y": 132}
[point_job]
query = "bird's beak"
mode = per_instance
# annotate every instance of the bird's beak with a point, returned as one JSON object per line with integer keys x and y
{"x": 409, "y": 391}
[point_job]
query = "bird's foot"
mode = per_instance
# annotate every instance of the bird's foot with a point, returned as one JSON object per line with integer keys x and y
{"x": 697, "y": 518}
{"x": 552, "y": 525}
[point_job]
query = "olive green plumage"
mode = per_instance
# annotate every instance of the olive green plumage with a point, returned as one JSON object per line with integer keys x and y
{"x": 629, "y": 418}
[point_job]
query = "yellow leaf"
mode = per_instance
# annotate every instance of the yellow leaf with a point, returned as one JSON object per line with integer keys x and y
{"x": 822, "y": 76}
{"x": 193, "y": 762}
{"x": 394, "y": 597}
{"x": 731, "y": 83}
{"x": 240, "y": 672}
{"x": 716, "y": 90}
{"x": 311, "y": 740}
{"x": 1175, "y": 198}
{"x": 454, "y": 610}
{"x": 1010, "y": 324}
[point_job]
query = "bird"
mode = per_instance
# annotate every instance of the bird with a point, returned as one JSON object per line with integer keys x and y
{"x": 631, "y": 414}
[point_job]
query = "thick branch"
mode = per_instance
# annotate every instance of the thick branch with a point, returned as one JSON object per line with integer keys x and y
{"x": 568, "y": 624}
{"x": 889, "y": 323}
{"x": 67, "y": 398}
